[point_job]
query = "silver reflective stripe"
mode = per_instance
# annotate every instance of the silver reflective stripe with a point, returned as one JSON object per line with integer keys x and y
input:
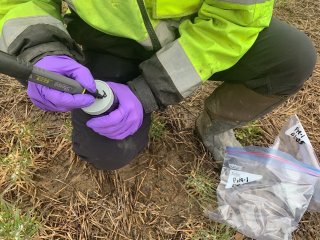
{"x": 180, "y": 69}
{"x": 164, "y": 32}
{"x": 244, "y": 2}
{"x": 14, "y": 27}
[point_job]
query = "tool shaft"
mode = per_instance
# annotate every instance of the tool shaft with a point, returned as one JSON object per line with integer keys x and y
{"x": 25, "y": 71}
{"x": 55, "y": 81}
{"x": 14, "y": 67}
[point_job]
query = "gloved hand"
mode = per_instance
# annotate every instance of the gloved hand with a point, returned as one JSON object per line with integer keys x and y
{"x": 125, "y": 120}
{"x": 53, "y": 100}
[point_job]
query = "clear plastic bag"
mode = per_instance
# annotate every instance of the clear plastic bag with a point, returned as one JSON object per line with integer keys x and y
{"x": 293, "y": 139}
{"x": 263, "y": 192}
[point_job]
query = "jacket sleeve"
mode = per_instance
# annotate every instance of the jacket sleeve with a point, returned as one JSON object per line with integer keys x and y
{"x": 222, "y": 32}
{"x": 32, "y": 29}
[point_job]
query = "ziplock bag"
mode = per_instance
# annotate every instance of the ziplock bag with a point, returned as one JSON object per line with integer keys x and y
{"x": 263, "y": 192}
{"x": 293, "y": 139}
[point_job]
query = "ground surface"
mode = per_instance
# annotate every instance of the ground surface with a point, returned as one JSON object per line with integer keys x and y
{"x": 161, "y": 195}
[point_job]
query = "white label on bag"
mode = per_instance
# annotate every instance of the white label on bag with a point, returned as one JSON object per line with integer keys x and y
{"x": 237, "y": 178}
{"x": 297, "y": 133}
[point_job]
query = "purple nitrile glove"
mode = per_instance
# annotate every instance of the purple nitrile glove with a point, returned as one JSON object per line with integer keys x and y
{"x": 123, "y": 121}
{"x": 57, "y": 101}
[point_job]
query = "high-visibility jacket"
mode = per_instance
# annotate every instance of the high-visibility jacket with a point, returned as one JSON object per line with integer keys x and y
{"x": 217, "y": 35}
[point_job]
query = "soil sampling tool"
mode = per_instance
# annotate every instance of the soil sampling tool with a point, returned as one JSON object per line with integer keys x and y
{"x": 25, "y": 71}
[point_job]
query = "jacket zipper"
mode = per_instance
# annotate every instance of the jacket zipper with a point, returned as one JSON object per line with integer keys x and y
{"x": 147, "y": 23}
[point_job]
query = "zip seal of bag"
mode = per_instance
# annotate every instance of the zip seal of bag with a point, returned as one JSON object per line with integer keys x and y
{"x": 276, "y": 157}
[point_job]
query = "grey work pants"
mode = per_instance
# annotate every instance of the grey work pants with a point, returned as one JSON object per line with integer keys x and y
{"x": 278, "y": 64}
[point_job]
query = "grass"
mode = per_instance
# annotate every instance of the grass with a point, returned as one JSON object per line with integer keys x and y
{"x": 201, "y": 186}
{"x": 214, "y": 232}
{"x": 16, "y": 166}
{"x": 16, "y": 172}
{"x": 67, "y": 128}
{"x": 15, "y": 225}
{"x": 249, "y": 134}
{"x": 157, "y": 129}
{"x": 283, "y": 3}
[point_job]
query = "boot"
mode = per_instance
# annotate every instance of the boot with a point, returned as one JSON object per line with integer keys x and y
{"x": 228, "y": 107}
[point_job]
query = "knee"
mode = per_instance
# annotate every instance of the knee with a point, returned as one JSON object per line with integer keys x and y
{"x": 299, "y": 63}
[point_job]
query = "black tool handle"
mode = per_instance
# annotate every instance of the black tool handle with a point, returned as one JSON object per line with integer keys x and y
{"x": 25, "y": 71}
{"x": 14, "y": 67}
{"x": 55, "y": 81}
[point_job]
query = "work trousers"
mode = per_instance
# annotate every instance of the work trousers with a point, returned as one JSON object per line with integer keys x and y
{"x": 278, "y": 64}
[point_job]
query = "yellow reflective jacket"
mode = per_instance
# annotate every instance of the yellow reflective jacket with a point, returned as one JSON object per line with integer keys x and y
{"x": 214, "y": 39}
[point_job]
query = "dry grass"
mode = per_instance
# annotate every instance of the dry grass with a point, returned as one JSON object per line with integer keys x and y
{"x": 161, "y": 194}
{"x": 302, "y": 14}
